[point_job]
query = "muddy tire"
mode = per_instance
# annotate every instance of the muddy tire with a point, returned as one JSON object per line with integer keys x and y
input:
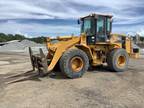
{"x": 74, "y": 63}
{"x": 117, "y": 60}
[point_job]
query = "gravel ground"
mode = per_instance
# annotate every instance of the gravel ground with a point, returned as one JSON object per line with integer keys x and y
{"x": 98, "y": 88}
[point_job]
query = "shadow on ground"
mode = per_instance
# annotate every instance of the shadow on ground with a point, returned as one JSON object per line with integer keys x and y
{"x": 34, "y": 75}
{"x": 14, "y": 78}
{"x": 59, "y": 75}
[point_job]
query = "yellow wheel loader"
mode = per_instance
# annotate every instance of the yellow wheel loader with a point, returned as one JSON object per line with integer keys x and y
{"x": 96, "y": 45}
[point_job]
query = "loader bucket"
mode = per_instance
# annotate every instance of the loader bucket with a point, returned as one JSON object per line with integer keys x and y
{"x": 39, "y": 61}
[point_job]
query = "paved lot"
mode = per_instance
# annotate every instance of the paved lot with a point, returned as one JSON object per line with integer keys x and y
{"x": 98, "y": 88}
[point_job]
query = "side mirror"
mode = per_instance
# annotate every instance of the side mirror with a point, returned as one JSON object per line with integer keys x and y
{"x": 78, "y": 21}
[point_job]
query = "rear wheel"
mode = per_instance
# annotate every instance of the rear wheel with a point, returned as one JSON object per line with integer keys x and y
{"x": 74, "y": 63}
{"x": 117, "y": 60}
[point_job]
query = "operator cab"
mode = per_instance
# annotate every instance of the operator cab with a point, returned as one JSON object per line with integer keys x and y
{"x": 97, "y": 27}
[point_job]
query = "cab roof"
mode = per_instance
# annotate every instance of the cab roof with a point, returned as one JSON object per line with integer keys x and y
{"x": 97, "y": 15}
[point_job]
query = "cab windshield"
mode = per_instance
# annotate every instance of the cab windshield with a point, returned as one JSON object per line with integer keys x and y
{"x": 87, "y": 27}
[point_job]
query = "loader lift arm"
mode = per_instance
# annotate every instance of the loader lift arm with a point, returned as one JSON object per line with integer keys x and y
{"x": 40, "y": 61}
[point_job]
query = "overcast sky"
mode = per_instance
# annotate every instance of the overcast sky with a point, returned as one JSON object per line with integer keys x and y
{"x": 59, "y": 17}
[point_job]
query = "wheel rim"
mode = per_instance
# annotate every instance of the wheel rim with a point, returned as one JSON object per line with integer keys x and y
{"x": 76, "y": 64}
{"x": 121, "y": 61}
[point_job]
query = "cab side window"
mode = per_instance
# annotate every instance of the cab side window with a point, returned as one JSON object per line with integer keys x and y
{"x": 108, "y": 24}
{"x": 100, "y": 25}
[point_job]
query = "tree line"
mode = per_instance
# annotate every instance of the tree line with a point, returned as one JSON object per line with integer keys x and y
{"x": 41, "y": 39}
{"x": 9, "y": 37}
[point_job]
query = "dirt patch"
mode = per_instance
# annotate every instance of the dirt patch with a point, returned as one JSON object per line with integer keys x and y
{"x": 4, "y": 62}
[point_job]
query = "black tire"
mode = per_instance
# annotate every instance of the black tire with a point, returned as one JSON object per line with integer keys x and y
{"x": 65, "y": 63}
{"x": 112, "y": 60}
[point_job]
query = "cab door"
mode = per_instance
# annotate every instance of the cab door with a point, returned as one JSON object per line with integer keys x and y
{"x": 101, "y": 29}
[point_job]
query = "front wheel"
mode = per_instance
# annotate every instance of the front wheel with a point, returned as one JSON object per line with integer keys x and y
{"x": 117, "y": 60}
{"x": 74, "y": 63}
